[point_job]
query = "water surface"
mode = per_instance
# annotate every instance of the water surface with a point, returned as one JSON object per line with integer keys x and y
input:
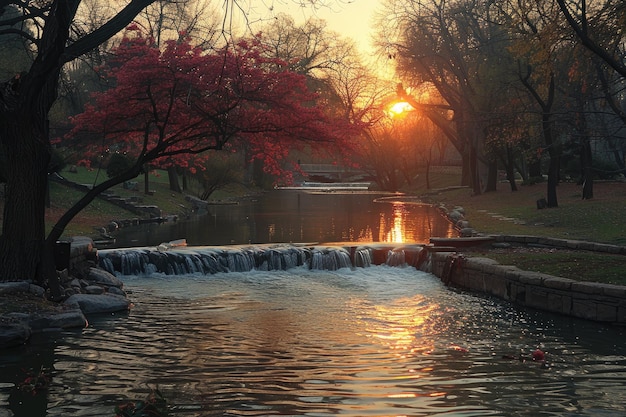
{"x": 299, "y": 216}
{"x": 377, "y": 341}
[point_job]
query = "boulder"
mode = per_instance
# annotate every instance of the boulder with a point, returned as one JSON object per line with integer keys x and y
{"x": 102, "y": 277}
{"x": 68, "y": 319}
{"x": 455, "y": 216}
{"x": 94, "y": 289}
{"x": 94, "y": 304}
{"x": 14, "y": 287}
{"x": 36, "y": 290}
{"x": 13, "y": 334}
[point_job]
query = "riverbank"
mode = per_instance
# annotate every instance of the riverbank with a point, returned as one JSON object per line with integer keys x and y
{"x": 600, "y": 220}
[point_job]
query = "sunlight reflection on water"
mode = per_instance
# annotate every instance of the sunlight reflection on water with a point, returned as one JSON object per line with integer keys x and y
{"x": 376, "y": 341}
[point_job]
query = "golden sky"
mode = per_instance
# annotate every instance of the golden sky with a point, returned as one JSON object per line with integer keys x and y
{"x": 349, "y": 18}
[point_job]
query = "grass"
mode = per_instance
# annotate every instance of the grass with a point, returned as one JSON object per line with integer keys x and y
{"x": 504, "y": 212}
{"x": 577, "y": 265}
{"x": 600, "y": 219}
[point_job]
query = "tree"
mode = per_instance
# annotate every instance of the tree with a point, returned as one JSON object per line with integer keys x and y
{"x": 25, "y": 101}
{"x": 180, "y": 102}
{"x": 451, "y": 46}
{"x": 610, "y": 15}
{"x": 221, "y": 170}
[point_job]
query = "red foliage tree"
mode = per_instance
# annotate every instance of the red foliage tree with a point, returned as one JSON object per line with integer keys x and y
{"x": 171, "y": 106}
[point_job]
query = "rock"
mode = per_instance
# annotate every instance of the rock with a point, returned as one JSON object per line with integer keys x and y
{"x": 68, "y": 319}
{"x": 14, "y": 334}
{"x": 102, "y": 277}
{"x": 467, "y": 232}
{"x": 94, "y": 289}
{"x": 14, "y": 287}
{"x": 64, "y": 276}
{"x": 462, "y": 224}
{"x": 36, "y": 290}
{"x": 117, "y": 291}
{"x": 93, "y": 304}
{"x": 455, "y": 216}
{"x": 39, "y": 323}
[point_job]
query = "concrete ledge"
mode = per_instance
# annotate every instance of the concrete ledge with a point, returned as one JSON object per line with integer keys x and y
{"x": 587, "y": 300}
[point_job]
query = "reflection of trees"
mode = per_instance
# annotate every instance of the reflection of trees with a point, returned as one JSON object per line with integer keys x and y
{"x": 34, "y": 358}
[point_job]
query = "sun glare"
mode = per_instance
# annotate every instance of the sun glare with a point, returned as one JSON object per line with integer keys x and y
{"x": 399, "y": 108}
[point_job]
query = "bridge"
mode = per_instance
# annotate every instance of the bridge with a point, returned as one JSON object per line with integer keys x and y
{"x": 332, "y": 172}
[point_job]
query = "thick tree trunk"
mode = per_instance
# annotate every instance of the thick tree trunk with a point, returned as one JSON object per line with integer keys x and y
{"x": 492, "y": 178}
{"x": 534, "y": 168}
{"x": 23, "y": 227}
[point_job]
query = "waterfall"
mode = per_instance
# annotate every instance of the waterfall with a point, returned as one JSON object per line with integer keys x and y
{"x": 330, "y": 258}
{"x": 363, "y": 257}
{"x": 396, "y": 257}
{"x": 180, "y": 260}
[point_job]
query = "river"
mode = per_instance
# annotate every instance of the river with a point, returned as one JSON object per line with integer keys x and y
{"x": 371, "y": 341}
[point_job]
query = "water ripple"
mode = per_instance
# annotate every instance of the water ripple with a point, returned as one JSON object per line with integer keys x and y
{"x": 381, "y": 342}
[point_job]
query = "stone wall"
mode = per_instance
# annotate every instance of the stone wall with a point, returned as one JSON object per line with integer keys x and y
{"x": 587, "y": 300}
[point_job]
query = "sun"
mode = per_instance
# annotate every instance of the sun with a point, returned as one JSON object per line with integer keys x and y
{"x": 400, "y": 107}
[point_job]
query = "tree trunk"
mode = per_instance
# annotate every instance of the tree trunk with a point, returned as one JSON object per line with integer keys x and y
{"x": 23, "y": 226}
{"x": 534, "y": 168}
{"x": 172, "y": 175}
{"x": 553, "y": 176}
{"x": 587, "y": 168}
{"x": 474, "y": 172}
{"x": 146, "y": 180}
{"x": 510, "y": 171}
{"x": 492, "y": 178}
{"x": 465, "y": 170}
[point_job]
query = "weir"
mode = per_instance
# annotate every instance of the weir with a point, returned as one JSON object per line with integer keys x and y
{"x": 178, "y": 259}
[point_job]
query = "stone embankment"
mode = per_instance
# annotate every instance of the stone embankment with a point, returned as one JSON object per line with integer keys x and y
{"x": 587, "y": 300}
{"x": 87, "y": 290}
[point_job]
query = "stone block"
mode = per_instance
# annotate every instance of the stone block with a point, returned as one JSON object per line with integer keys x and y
{"x": 538, "y": 298}
{"x": 532, "y": 278}
{"x": 617, "y": 291}
{"x": 603, "y": 247}
{"x": 496, "y": 285}
{"x": 557, "y": 304}
{"x": 518, "y": 293}
{"x": 590, "y": 246}
{"x": 585, "y": 309}
{"x": 590, "y": 288}
{"x": 606, "y": 312}
{"x": 558, "y": 283}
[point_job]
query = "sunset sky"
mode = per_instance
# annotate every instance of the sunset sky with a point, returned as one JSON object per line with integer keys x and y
{"x": 350, "y": 18}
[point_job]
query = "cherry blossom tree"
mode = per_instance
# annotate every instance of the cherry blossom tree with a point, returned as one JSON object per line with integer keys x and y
{"x": 172, "y": 106}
